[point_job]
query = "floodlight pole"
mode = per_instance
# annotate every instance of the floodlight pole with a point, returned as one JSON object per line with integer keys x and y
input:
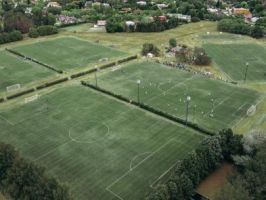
{"x": 188, "y": 100}
{"x": 138, "y": 82}
{"x": 246, "y": 72}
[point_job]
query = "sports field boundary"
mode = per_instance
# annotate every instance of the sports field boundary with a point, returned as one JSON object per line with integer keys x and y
{"x": 33, "y": 60}
{"x": 151, "y": 109}
{"x": 65, "y": 79}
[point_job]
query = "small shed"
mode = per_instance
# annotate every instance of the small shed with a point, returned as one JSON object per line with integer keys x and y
{"x": 101, "y": 23}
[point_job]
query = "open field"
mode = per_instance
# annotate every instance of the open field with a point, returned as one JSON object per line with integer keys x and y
{"x": 14, "y": 70}
{"x": 132, "y": 42}
{"x": 232, "y": 58}
{"x": 214, "y": 104}
{"x": 68, "y": 53}
{"x": 102, "y": 148}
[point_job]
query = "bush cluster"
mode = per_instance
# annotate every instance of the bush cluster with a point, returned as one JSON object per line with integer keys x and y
{"x": 42, "y": 31}
{"x": 10, "y": 37}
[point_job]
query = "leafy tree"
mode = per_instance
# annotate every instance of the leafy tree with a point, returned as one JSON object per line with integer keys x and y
{"x": 33, "y": 33}
{"x": 257, "y": 32}
{"x": 172, "y": 42}
{"x": 201, "y": 57}
{"x": 16, "y": 21}
{"x": 150, "y": 48}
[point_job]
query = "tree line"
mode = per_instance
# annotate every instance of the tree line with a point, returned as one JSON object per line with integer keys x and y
{"x": 197, "y": 165}
{"x": 238, "y": 26}
{"x": 24, "y": 180}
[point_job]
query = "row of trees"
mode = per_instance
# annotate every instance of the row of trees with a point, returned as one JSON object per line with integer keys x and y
{"x": 197, "y": 165}
{"x": 113, "y": 25}
{"x": 21, "y": 179}
{"x": 238, "y": 26}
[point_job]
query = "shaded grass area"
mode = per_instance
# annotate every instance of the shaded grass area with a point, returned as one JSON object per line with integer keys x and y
{"x": 232, "y": 59}
{"x": 68, "y": 53}
{"x": 14, "y": 70}
{"x": 214, "y": 104}
{"x": 91, "y": 141}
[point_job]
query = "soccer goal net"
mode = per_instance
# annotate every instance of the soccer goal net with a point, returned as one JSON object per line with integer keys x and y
{"x": 13, "y": 87}
{"x": 32, "y": 98}
{"x": 251, "y": 111}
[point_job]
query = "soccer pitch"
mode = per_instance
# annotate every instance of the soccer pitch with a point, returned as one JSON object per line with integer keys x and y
{"x": 68, "y": 53}
{"x": 214, "y": 104}
{"x": 102, "y": 148}
{"x": 232, "y": 59}
{"x": 15, "y": 70}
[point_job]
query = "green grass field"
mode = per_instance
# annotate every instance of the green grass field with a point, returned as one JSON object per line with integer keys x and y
{"x": 14, "y": 70}
{"x": 166, "y": 89}
{"x": 102, "y": 148}
{"x": 68, "y": 53}
{"x": 232, "y": 58}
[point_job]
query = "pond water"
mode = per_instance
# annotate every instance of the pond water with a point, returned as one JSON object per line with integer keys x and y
{"x": 211, "y": 185}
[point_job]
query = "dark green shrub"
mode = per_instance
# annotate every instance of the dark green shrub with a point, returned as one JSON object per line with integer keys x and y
{"x": 33, "y": 33}
{"x": 47, "y": 30}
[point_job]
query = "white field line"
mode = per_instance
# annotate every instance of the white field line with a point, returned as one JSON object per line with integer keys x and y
{"x": 51, "y": 151}
{"x": 165, "y": 91}
{"x": 126, "y": 173}
{"x": 114, "y": 194}
{"x": 9, "y": 122}
{"x": 220, "y": 103}
{"x": 239, "y": 108}
{"x": 162, "y": 175}
{"x": 135, "y": 157}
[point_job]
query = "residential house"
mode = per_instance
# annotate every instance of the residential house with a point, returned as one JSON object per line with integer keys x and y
{"x": 141, "y": 3}
{"x": 101, "y": 23}
{"x": 53, "y": 4}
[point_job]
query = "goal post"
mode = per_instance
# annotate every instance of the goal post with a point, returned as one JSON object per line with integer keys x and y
{"x": 13, "y": 87}
{"x": 31, "y": 98}
{"x": 252, "y": 110}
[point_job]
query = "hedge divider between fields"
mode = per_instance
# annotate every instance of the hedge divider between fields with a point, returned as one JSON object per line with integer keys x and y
{"x": 105, "y": 66}
{"x": 51, "y": 83}
{"x": 2, "y": 100}
{"x": 34, "y": 60}
{"x": 151, "y": 109}
{"x": 20, "y": 93}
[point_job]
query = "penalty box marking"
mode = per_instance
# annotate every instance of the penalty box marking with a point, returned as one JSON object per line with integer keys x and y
{"x": 130, "y": 170}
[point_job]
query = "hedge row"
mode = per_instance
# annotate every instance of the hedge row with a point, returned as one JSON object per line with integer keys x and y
{"x": 103, "y": 66}
{"x": 2, "y": 100}
{"x": 10, "y": 37}
{"x": 33, "y": 60}
{"x": 48, "y": 84}
{"x": 20, "y": 93}
{"x": 83, "y": 73}
{"x": 151, "y": 109}
{"x": 127, "y": 59}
